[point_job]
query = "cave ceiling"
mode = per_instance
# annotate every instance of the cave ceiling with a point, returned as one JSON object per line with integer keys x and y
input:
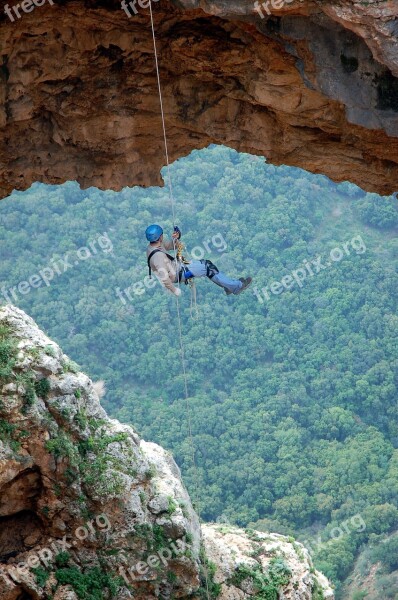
{"x": 307, "y": 84}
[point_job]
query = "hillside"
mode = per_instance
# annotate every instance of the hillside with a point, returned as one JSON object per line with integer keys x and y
{"x": 376, "y": 571}
{"x": 293, "y": 392}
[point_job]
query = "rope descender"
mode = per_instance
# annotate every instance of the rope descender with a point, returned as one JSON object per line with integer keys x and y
{"x": 180, "y": 247}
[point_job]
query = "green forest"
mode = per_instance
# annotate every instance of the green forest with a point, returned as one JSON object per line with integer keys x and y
{"x": 292, "y": 384}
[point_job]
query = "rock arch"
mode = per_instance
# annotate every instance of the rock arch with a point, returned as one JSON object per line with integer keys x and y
{"x": 313, "y": 84}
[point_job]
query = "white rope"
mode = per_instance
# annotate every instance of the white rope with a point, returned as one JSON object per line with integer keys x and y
{"x": 181, "y": 342}
{"x": 194, "y": 305}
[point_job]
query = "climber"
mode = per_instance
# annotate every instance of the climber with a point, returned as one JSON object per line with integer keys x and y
{"x": 171, "y": 271}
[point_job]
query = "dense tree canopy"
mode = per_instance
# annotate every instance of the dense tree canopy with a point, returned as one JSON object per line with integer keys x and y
{"x": 293, "y": 384}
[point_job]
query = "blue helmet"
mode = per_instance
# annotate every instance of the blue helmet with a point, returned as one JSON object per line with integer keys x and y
{"x": 153, "y": 233}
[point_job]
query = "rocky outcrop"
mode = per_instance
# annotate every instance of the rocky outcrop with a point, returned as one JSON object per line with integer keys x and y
{"x": 87, "y": 507}
{"x": 74, "y": 481}
{"x": 248, "y": 563}
{"x": 306, "y": 83}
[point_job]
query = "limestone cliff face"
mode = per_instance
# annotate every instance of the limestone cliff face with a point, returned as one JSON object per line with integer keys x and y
{"x": 87, "y": 507}
{"x": 312, "y": 84}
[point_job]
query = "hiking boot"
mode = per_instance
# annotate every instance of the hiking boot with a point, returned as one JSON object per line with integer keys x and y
{"x": 246, "y": 282}
{"x": 228, "y": 292}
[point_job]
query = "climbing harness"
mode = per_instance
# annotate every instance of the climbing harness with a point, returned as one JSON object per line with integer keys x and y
{"x": 211, "y": 268}
{"x": 182, "y": 351}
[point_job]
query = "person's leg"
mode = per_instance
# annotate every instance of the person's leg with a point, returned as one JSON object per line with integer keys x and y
{"x": 197, "y": 268}
{"x": 230, "y": 285}
{"x": 205, "y": 268}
